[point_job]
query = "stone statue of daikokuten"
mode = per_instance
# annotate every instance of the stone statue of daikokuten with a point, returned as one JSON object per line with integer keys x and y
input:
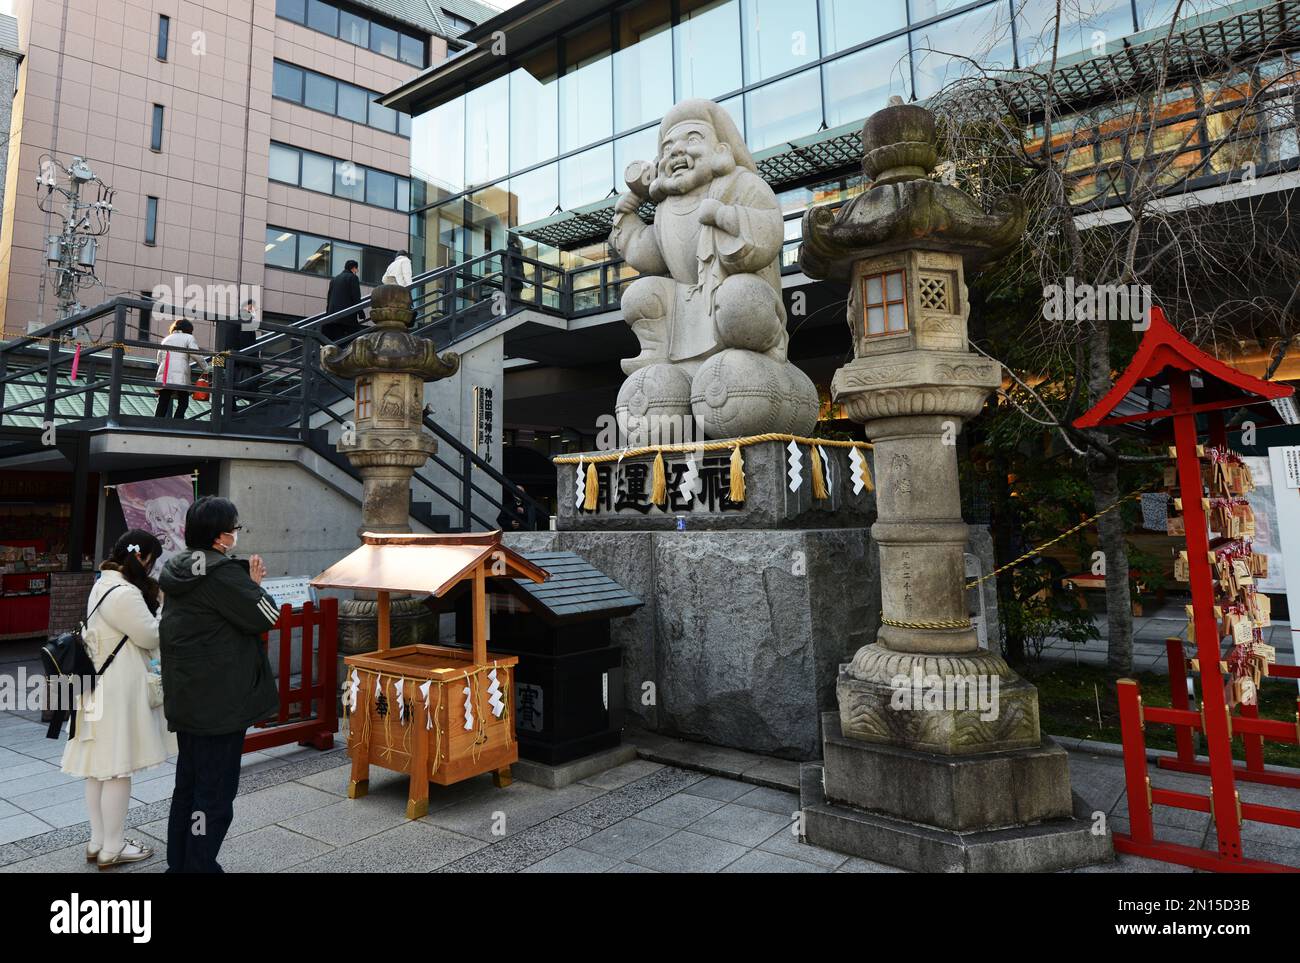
{"x": 707, "y": 307}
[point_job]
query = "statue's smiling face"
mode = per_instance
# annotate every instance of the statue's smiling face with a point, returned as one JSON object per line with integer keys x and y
{"x": 686, "y": 157}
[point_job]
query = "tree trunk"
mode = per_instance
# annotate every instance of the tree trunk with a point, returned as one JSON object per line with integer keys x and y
{"x": 1003, "y": 524}
{"x": 1104, "y": 478}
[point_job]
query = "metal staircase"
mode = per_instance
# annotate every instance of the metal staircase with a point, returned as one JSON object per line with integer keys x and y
{"x": 274, "y": 388}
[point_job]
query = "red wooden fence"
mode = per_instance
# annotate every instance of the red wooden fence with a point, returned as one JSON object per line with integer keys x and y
{"x": 296, "y": 720}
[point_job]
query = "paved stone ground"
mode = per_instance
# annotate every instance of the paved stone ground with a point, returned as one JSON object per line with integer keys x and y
{"x": 292, "y": 815}
{"x": 683, "y": 807}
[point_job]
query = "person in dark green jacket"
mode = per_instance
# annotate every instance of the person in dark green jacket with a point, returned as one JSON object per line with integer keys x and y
{"x": 217, "y": 678}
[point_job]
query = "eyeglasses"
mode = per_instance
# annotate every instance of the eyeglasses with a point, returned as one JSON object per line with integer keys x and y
{"x": 236, "y": 528}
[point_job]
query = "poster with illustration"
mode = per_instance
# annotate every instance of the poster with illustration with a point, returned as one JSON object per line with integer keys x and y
{"x": 159, "y": 506}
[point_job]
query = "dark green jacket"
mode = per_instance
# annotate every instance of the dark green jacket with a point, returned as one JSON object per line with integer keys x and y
{"x": 216, "y": 675}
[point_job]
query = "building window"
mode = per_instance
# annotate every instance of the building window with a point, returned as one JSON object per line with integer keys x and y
{"x": 328, "y": 175}
{"x": 320, "y": 256}
{"x": 151, "y": 220}
{"x": 155, "y": 134}
{"x": 164, "y": 35}
{"x": 330, "y": 96}
{"x": 355, "y": 27}
{"x": 884, "y": 304}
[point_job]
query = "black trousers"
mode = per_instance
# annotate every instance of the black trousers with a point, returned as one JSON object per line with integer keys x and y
{"x": 203, "y": 803}
{"x": 164, "y": 407}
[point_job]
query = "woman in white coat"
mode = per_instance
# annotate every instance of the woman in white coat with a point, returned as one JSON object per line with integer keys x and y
{"x": 174, "y": 369}
{"x": 117, "y": 733}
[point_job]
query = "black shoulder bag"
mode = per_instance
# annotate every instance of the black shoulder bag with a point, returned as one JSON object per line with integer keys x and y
{"x": 66, "y": 659}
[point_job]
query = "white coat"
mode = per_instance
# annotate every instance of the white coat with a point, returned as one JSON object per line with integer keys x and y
{"x": 174, "y": 366}
{"x": 117, "y": 732}
{"x": 399, "y": 272}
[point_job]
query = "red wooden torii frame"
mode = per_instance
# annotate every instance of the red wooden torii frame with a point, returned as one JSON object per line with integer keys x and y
{"x": 1165, "y": 359}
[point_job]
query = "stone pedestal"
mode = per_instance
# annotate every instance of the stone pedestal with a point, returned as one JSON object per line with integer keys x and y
{"x": 993, "y": 813}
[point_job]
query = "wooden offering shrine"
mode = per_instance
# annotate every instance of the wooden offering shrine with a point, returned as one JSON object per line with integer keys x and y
{"x": 440, "y": 714}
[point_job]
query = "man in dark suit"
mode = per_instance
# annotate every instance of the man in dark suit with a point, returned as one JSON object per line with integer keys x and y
{"x": 344, "y": 292}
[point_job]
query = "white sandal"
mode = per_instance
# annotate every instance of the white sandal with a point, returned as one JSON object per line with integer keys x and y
{"x": 92, "y": 852}
{"x": 124, "y": 855}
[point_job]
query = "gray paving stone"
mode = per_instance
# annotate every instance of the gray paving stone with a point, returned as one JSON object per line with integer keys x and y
{"x": 266, "y": 807}
{"x": 153, "y": 790}
{"x": 272, "y": 849}
{"x": 775, "y": 774}
{"x": 572, "y": 860}
{"x": 334, "y": 780}
{"x": 785, "y": 843}
{"x": 855, "y": 865}
{"x": 758, "y": 861}
{"x": 63, "y": 814}
{"x": 347, "y": 821}
{"x": 718, "y": 787}
{"x": 521, "y": 850}
{"x": 740, "y": 824}
{"x": 771, "y": 800}
{"x": 625, "y": 839}
{"x": 629, "y": 868}
{"x": 688, "y": 852}
{"x": 21, "y": 826}
{"x": 32, "y": 767}
{"x": 44, "y": 779}
{"x": 633, "y": 798}
{"x": 505, "y": 812}
{"x": 680, "y": 811}
{"x": 49, "y": 796}
{"x": 620, "y": 776}
{"x": 413, "y": 847}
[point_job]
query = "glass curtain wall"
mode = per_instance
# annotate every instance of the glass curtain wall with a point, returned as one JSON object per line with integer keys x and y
{"x": 555, "y": 130}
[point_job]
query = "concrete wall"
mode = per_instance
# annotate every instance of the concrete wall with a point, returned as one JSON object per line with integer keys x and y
{"x": 298, "y": 523}
{"x": 452, "y": 402}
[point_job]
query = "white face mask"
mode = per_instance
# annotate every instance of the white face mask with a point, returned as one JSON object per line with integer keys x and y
{"x": 234, "y": 540}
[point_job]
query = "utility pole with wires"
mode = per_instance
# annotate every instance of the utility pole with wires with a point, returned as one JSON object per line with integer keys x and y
{"x": 70, "y": 255}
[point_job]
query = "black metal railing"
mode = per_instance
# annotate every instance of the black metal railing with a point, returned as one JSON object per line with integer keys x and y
{"x": 273, "y": 389}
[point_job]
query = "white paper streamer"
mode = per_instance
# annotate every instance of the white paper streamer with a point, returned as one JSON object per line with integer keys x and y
{"x": 579, "y": 488}
{"x": 856, "y": 465}
{"x": 401, "y": 700}
{"x": 826, "y": 471}
{"x": 796, "y": 467}
{"x": 469, "y": 709}
{"x": 494, "y": 695}
{"x": 354, "y": 690}
{"x": 428, "y": 709}
{"x": 688, "y": 486}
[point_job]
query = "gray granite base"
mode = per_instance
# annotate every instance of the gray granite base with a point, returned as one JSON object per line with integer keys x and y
{"x": 567, "y": 773}
{"x": 742, "y": 632}
{"x": 1001, "y": 812}
{"x": 991, "y": 790}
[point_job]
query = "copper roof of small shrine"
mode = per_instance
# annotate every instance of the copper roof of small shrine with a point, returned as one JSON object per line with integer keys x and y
{"x": 424, "y": 564}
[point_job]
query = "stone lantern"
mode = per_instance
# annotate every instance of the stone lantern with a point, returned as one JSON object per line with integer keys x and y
{"x": 386, "y": 443}
{"x": 931, "y": 729}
